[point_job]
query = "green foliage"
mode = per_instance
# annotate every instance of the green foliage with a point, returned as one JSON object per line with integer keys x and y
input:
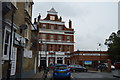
{"x": 113, "y": 44}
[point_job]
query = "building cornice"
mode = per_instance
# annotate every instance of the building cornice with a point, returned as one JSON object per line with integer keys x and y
{"x": 52, "y": 22}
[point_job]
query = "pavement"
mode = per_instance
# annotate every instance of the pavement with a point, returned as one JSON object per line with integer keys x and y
{"x": 43, "y": 75}
{"x": 39, "y": 74}
{"x": 116, "y": 73}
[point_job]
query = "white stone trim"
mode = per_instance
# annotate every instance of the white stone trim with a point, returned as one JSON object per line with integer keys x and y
{"x": 54, "y": 31}
{"x": 59, "y": 42}
{"x": 52, "y": 22}
{"x": 90, "y": 54}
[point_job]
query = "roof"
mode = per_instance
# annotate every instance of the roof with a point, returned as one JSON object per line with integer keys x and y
{"x": 52, "y": 11}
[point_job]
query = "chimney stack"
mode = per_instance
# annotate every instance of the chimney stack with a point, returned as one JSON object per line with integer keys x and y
{"x": 34, "y": 20}
{"x": 70, "y": 24}
{"x": 60, "y": 18}
{"x": 39, "y": 17}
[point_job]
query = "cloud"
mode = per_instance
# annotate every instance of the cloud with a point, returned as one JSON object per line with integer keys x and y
{"x": 93, "y": 21}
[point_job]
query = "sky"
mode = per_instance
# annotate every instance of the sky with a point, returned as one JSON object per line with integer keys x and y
{"x": 93, "y": 22}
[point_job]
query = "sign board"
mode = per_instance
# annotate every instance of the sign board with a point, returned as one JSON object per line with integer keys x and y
{"x": 27, "y": 53}
{"x": 87, "y": 62}
{"x": 13, "y": 61}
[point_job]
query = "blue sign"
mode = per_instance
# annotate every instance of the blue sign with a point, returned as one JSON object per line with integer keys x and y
{"x": 88, "y": 62}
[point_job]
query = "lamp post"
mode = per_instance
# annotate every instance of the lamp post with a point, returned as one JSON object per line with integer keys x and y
{"x": 99, "y": 44}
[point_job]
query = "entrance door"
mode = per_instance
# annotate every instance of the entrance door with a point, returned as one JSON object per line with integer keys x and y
{"x": 43, "y": 63}
{"x": 59, "y": 61}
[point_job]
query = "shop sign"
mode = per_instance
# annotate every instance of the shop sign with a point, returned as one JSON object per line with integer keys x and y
{"x": 19, "y": 40}
{"x": 27, "y": 53}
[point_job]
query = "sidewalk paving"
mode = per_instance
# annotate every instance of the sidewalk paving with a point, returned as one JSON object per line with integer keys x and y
{"x": 116, "y": 73}
{"x": 39, "y": 74}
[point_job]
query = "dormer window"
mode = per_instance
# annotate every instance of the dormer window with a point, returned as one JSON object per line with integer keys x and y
{"x": 52, "y": 17}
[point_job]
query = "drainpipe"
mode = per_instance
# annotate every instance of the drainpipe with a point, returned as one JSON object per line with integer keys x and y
{"x": 9, "y": 61}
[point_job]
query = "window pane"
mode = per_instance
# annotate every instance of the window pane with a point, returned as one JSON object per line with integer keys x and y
{"x": 52, "y": 27}
{"x": 7, "y": 37}
{"x": 68, "y": 38}
{"x": 5, "y": 49}
{"x": 59, "y": 27}
{"x": 44, "y": 26}
{"x": 52, "y": 37}
{"x": 43, "y": 36}
{"x": 52, "y": 17}
{"x": 59, "y": 37}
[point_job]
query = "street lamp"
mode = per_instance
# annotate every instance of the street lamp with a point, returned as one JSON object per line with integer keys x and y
{"x": 99, "y": 44}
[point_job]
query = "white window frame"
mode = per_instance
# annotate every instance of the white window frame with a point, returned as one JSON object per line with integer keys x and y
{"x": 51, "y": 47}
{"x": 60, "y": 27}
{"x": 52, "y": 27}
{"x": 43, "y": 26}
{"x": 52, "y": 37}
{"x": 68, "y": 48}
{"x": 59, "y": 37}
{"x": 6, "y": 57}
{"x": 68, "y": 38}
{"x": 43, "y": 36}
{"x": 52, "y": 17}
{"x": 59, "y": 47}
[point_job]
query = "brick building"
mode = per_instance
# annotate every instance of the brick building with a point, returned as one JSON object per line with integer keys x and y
{"x": 17, "y": 57}
{"x": 89, "y": 58}
{"x": 56, "y": 41}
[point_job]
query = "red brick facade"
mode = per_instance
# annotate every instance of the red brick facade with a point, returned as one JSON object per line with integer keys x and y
{"x": 79, "y": 57}
{"x": 55, "y": 39}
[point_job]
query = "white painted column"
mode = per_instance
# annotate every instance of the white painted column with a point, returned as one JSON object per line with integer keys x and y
{"x": 35, "y": 65}
{"x": 55, "y": 59}
{"x": 47, "y": 60}
{"x": 63, "y": 60}
{"x": 39, "y": 59}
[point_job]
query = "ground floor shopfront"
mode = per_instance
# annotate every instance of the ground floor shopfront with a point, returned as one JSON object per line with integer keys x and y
{"x": 89, "y": 58}
{"x": 53, "y": 58}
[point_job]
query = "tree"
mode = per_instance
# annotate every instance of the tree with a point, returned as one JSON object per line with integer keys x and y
{"x": 113, "y": 43}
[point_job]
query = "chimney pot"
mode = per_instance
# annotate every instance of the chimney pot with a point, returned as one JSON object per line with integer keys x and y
{"x": 70, "y": 24}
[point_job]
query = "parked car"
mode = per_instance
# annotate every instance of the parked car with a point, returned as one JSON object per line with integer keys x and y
{"x": 117, "y": 65}
{"x": 61, "y": 71}
{"x": 105, "y": 66}
{"x": 77, "y": 68}
{"x": 51, "y": 66}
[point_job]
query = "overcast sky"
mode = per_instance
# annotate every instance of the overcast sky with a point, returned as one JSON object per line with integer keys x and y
{"x": 93, "y": 22}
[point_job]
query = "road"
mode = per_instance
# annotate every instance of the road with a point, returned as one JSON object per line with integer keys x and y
{"x": 93, "y": 76}
{"x": 90, "y": 76}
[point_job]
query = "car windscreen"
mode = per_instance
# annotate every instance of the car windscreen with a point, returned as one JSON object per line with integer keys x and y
{"x": 61, "y": 67}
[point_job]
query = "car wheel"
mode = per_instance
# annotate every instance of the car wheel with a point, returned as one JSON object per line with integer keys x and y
{"x": 74, "y": 71}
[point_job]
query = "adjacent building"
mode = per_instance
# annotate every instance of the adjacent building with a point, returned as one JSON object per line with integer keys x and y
{"x": 0, "y": 40}
{"x": 56, "y": 41}
{"x": 17, "y": 56}
{"x": 119, "y": 15}
{"x": 89, "y": 58}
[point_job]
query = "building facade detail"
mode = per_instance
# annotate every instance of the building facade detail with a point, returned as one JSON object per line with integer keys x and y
{"x": 56, "y": 41}
{"x": 89, "y": 58}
